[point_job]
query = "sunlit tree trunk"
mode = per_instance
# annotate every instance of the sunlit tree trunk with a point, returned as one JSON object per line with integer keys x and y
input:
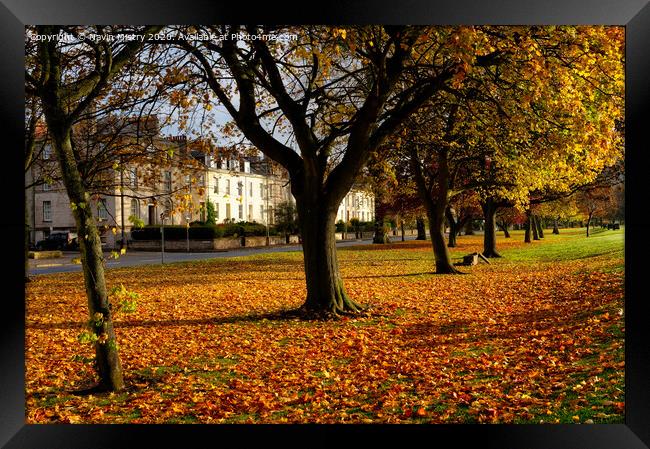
{"x": 527, "y": 228}
{"x": 92, "y": 261}
{"x": 325, "y": 290}
{"x": 556, "y": 229}
{"x": 61, "y": 107}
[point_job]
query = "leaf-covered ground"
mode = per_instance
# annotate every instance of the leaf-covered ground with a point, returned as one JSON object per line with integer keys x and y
{"x": 534, "y": 337}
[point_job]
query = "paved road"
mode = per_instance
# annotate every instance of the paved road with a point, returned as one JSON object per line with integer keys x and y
{"x": 133, "y": 258}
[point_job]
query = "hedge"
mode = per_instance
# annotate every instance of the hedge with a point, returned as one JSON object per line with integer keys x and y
{"x": 364, "y": 226}
{"x": 202, "y": 232}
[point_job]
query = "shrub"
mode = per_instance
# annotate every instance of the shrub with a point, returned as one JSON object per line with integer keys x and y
{"x": 202, "y": 232}
{"x": 177, "y": 232}
{"x": 340, "y": 226}
{"x": 246, "y": 228}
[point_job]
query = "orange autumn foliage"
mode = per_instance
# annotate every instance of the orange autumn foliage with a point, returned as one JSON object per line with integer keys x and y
{"x": 509, "y": 342}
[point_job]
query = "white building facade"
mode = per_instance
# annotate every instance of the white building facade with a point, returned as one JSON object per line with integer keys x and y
{"x": 238, "y": 193}
{"x": 358, "y": 204}
{"x": 240, "y": 190}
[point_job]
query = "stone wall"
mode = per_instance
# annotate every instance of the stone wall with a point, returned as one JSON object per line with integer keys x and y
{"x": 209, "y": 245}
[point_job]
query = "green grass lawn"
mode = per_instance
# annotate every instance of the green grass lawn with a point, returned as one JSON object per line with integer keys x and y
{"x": 570, "y": 244}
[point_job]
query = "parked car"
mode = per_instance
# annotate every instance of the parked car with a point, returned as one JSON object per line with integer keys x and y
{"x": 59, "y": 241}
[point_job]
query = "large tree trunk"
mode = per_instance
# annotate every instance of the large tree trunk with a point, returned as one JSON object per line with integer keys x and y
{"x": 437, "y": 233}
{"x": 101, "y": 322}
{"x": 419, "y": 223}
{"x": 453, "y": 227}
{"x": 589, "y": 222}
{"x": 401, "y": 225}
{"x": 435, "y": 206}
{"x": 556, "y": 230}
{"x": 540, "y": 228}
{"x": 504, "y": 227}
{"x": 533, "y": 226}
{"x": 490, "y": 233}
{"x": 527, "y": 228}
{"x": 453, "y": 232}
{"x": 325, "y": 290}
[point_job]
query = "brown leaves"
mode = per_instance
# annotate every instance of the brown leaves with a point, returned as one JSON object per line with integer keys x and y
{"x": 511, "y": 342}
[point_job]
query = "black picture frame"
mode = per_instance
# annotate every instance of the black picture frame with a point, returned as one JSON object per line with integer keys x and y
{"x": 15, "y": 14}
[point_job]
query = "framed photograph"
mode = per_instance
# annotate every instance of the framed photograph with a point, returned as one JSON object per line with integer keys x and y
{"x": 377, "y": 220}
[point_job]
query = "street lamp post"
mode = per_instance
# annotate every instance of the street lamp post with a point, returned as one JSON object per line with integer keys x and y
{"x": 162, "y": 234}
{"x": 268, "y": 240}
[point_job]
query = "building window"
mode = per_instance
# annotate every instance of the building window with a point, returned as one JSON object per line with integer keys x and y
{"x": 135, "y": 208}
{"x": 228, "y": 211}
{"x": 216, "y": 211}
{"x": 47, "y": 152}
{"x": 132, "y": 178}
{"x": 47, "y": 187}
{"x": 271, "y": 190}
{"x": 250, "y": 212}
{"x": 271, "y": 221}
{"x": 188, "y": 180}
{"x": 216, "y": 184}
{"x": 241, "y": 212}
{"x": 250, "y": 189}
{"x": 262, "y": 212}
{"x": 227, "y": 186}
{"x": 102, "y": 211}
{"x": 167, "y": 180}
{"x": 240, "y": 188}
{"x": 261, "y": 190}
{"x": 47, "y": 210}
{"x": 201, "y": 179}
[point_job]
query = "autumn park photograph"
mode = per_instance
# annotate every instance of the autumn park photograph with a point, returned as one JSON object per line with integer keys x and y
{"x": 319, "y": 224}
